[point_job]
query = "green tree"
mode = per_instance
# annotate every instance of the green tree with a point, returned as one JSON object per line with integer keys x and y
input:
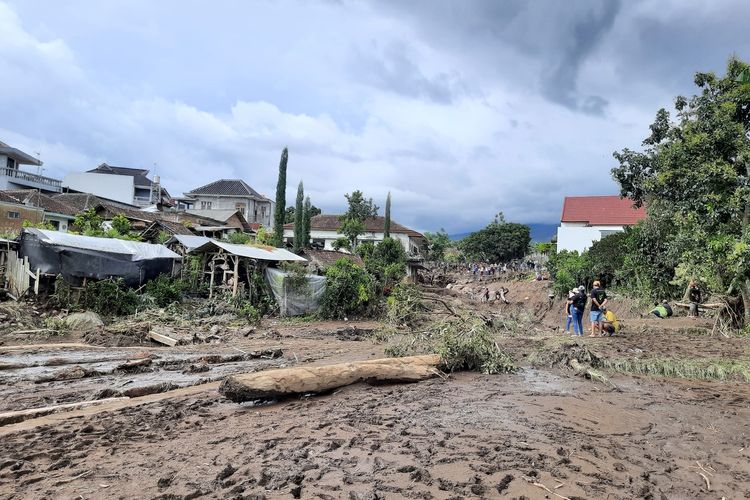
{"x": 387, "y": 229}
{"x": 121, "y": 224}
{"x": 500, "y": 241}
{"x": 306, "y": 220}
{"x": 299, "y": 219}
{"x": 353, "y": 221}
{"x": 89, "y": 223}
{"x": 695, "y": 172}
{"x": 278, "y": 223}
{"x": 348, "y": 290}
{"x": 437, "y": 244}
{"x": 289, "y": 213}
{"x": 237, "y": 238}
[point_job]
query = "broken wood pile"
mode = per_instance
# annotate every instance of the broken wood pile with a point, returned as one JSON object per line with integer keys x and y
{"x": 274, "y": 384}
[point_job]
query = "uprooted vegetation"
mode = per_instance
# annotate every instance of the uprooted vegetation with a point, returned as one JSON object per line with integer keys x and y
{"x": 462, "y": 343}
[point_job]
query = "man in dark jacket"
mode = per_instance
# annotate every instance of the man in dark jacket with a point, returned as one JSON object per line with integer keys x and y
{"x": 598, "y": 301}
{"x": 695, "y": 297}
{"x": 578, "y": 306}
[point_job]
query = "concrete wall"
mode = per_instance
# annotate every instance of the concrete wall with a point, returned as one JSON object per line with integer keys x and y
{"x": 575, "y": 236}
{"x": 329, "y": 237}
{"x": 231, "y": 202}
{"x": 113, "y": 187}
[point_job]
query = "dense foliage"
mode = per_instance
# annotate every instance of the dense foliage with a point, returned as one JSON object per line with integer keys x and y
{"x": 299, "y": 218}
{"x": 436, "y": 245}
{"x": 349, "y": 290}
{"x": 278, "y": 222}
{"x": 353, "y": 221}
{"x": 500, "y": 241}
{"x": 693, "y": 173}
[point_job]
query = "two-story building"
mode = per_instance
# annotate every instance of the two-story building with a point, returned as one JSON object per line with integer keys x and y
{"x": 324, "y": 230}
{"x": 233, "y": 194}
{"x": 586, "y": 219}
{"x": 123, "y": 184}
{"x": 12, "y": 177}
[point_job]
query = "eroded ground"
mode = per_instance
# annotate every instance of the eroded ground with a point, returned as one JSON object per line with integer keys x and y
{"x": 466, "y": 436}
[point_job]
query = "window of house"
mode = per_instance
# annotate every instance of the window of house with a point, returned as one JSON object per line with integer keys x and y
{"x": 241, "y": 207}
{"x": 263, "y": 211}
{"x": 11, "y": 163}
{"x": 55, "y": 224}
{"x": 205, "y": 205}
{"x": 14, "y": 215}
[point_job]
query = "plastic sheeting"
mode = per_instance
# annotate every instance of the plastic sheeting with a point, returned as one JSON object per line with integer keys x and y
{"x": 77, "y": 257}
{"x": 294, "y": 302}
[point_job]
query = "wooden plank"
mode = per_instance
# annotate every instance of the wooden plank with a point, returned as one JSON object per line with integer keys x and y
{"x": 13, "y": 417}
{"x": 162, "y": 339}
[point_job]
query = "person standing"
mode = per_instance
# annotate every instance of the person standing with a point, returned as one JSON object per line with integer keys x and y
{"x": 569, "y": 312}
{"x": 579, "y": 306}
{"x": 598, "y": 301}
{"x": 695, "y": 297}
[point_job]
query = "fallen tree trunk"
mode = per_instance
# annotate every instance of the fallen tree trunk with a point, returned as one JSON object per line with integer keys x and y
{"x": 703, "y": 306}
{"x": 273, "y": 384}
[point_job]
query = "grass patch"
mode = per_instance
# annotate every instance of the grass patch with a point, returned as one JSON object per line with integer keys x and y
{"x": 708, "y": 369}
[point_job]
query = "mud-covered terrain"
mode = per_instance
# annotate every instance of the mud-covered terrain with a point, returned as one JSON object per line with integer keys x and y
{"x": 158, "y": 427}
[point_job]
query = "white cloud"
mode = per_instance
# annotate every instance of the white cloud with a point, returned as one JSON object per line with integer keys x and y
{"x": 363, "y": 99}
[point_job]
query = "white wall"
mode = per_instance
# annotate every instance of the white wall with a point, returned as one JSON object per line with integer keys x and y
{"x": 113, "y": 187}
{"x": 573, "y": 236}
{"x": 331, "y": 236}
{"x": 230, "y": 203}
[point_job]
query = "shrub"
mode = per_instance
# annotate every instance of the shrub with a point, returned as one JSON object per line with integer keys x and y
{"x": 341, "y": 243}
{"x": 237, "y": 238}
{"x": 109, "y": 298}
{"x": 164, "y": 290}
{"x": 404, "y": 305}
{"x": 348, "y": 291}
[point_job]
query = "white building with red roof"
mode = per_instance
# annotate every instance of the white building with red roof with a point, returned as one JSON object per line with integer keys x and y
{"x": 586, "y": 219}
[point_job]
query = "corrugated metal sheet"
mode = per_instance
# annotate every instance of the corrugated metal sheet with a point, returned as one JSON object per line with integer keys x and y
{"x": 251, "y": 252}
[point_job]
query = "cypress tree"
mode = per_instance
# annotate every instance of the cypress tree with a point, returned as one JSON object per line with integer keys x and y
{"x": 387, "y": 229}
{"x": 299, "y": 218}
{"x": 278, "y": 222}
{"x": 306, "y": 222}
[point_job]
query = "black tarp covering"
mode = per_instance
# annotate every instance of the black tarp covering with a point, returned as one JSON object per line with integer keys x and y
{"x": 74, "y": 264}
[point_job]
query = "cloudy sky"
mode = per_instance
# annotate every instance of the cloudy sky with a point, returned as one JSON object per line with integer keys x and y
{"x": 460, "y": 108}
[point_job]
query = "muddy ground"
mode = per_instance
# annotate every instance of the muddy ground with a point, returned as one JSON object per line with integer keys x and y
{"x": 543, "y": 432}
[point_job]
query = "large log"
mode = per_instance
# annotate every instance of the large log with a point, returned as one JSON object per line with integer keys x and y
{"x": 274, "y": 384}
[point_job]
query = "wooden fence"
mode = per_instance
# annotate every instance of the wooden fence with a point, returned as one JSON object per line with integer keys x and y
{"x": 18, "y": 275}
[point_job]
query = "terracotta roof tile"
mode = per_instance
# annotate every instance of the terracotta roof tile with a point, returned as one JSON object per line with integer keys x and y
{"x": 601, "y": 211}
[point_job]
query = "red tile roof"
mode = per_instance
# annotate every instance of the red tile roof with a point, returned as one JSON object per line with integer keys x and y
{"x": 601, "y": 210}
{"x": 325, "y": 222}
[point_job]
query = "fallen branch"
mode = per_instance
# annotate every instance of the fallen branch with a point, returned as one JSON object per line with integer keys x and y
{"x": 719, "y": 305}
{"x": 442, "y": 302}
{"x": 591, "y": 373}
{"x": 273, "y": 384}
{"x": 708, "y": 483}
{"x": 540, "y": 485}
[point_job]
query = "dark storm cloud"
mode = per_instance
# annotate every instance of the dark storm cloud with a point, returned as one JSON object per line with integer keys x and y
{"x": 556, "y": 37}
{"x": 392, "y": 68}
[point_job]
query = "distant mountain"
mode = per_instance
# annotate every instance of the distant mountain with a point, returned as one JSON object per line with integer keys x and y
{"x": 539, "y": 232}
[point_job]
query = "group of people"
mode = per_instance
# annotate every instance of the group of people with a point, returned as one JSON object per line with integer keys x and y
{"x": 603, "y": 321}
{"x": 663, "y": 310}
{"x": 482, "y": 270}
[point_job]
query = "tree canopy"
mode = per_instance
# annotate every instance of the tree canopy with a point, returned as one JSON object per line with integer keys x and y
{"x": 353, "y": 221}
{"x": 278, "y": 222}
{"x": 500, "y": 241}
{"x": 693, "y": 174}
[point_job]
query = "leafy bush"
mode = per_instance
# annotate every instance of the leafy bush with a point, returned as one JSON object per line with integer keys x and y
{"x": 296, "y": 278}
{"x": 165, "y": 290}
{"x": 569, "y": 270}
{"x": 237, "y": 238}
{"x": 246, "y": 310}
{"x": 341, "y": 243}
{"x": 404, "y": 305}
{"x": 349, "y": 289}
{"x": 109, "y": 298}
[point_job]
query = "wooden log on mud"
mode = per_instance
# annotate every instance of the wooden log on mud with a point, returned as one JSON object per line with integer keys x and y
{"x": 12, "y": 417}
{"x": 273, "y": 384}
{"x": 162, "y": 339}
{"x": 702, "y": 306}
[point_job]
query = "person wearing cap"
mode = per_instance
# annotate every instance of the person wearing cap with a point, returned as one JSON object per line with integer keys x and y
{"x": 578, "y": 308}
{"x": 695, "y": 296}
{"x": 598, "y": 300}
{"x": 568, "y": 312}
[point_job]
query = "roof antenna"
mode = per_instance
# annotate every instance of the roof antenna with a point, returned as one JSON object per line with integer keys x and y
{"x": 39, "y": 167}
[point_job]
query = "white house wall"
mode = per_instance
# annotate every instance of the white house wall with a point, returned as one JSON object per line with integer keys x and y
{"x": 113, "y": 187}
{"x": 579, "y": 237}
{"x": 330, "y": 236}
{"x": 230, "y": 203}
